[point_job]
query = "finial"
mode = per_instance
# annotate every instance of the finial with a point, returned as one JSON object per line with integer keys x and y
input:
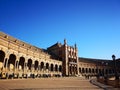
{"x": 75, "y": 46}
{"x": 65, "y": 42}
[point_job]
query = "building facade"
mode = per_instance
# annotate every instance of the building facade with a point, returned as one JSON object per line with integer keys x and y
{"x": 19, "y": 59}
{"x": 69, "y": 57}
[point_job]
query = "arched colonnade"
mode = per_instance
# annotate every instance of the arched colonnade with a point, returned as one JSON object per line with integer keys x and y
{"x": 18, "y": 65}
{"x": 94, "y": 71}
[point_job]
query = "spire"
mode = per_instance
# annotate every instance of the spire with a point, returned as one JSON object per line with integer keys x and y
{"x": 75, "y": 46}
{"x": 65, "y": 42}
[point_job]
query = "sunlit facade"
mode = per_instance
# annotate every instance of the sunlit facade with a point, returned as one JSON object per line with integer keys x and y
{"x": 22, "y": 60}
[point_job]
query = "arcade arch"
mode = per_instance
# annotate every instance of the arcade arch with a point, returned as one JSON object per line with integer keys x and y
{"x": 47, "y": 66}
{"x": 42, "y": 65}
{"x": 56, "y": 67}
{"x": 51, "y": 67}
{"x": 60, "y": 68}
{"x": 83, "y": 71}
{"x": 89, "y": 70}
{"x": 80, "y": 70}
{"x": 12, "y": 62}
{"x": 21, "y": 63}
{"x": 36, "y": 65}
{"x": 29, "y": 64}
{"x": 2, "y": 56}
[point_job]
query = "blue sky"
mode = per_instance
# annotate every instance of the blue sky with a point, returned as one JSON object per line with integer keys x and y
{"x": 94, "y": 25}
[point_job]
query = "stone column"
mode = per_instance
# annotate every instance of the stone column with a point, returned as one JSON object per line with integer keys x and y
{"x": 24, "y": 67}
{"x": 75, "y": 69}
{"x": 39, "y": 67}
{"x": 4, "y": 63}
{"x": 44, "y": 68}
{"x": 66, "y": 58}
{"x": 18, "y": 65}
{"x": 7, "y": 58}
{"x": 32, "y": 67}
{"x": 53, "y": 68}
{"x": 15, "y": 65}
{"x": 7, "y": 64}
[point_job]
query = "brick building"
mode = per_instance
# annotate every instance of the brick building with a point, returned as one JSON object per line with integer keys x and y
{"x": 19, "y": 59}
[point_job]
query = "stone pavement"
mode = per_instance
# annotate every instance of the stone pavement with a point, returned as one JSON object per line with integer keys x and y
{"x": 65, "y": 83}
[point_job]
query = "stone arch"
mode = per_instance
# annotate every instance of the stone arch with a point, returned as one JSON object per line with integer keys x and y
{"x": 93, "y": 71}
{"x": 86, "y": 70}
{"x": 29, "y": 64}
{"x": 103, "y": 72}
{"x": 106, "y": 71}
{"x": 47, "y": 65}
{"x": 51, "y": 67}
{"x": 96, "y": 70}
{"x": 113, "y": 71}
{"x": 36, "y": 65}
{"x": 100, "y": 71}
{"x": 11, "y": 62}
{"x": 110, "y": 71}
{"x": 80, "y": 70}
{"x": 2, "y": 56}
{"x": 56, "y": 67}
{"x": 21, "y": 63}
{"x": 89, "y": 70}
{"x": 60, "y": 68}
{"x": 42, "y": 65}
{"x": 83, "y": 70}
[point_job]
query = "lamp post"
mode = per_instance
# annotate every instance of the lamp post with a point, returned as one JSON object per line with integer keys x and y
{"x": 115, "y": 71}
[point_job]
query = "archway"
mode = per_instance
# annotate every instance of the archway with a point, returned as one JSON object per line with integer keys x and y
{"x": 89, "y": 70}
{"x": 56, "y": 67}
{"x": 100, "y": 72}
{"x": 110, "y": 71}
{"x": 93, "y": 71}
{"x": 42, "y": 65}
{"x": 86, "y": 70}
{"x": 51, "y": 67}
{"x": 83, "y": 71}
{"x": 96, "y": 70}
{"x": 29, "y": 64}
{"x": 80, "y": 70}
{"x": 36, "y": 65}
{"x": 2, "y": 56}
{"x": 47, "y": 66}
{"x": 60, "y": 68}
{"x": 106, "y": 71}
{"x": 11, "y": 62}
{"x": 103, "y": 72}
{"x": 21, "y": 63}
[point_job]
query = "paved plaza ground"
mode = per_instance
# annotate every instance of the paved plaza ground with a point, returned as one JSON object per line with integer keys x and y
{"x": 66, "y": 83}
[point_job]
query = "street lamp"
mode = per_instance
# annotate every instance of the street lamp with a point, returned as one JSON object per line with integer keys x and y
{"x": 115, "y": 71}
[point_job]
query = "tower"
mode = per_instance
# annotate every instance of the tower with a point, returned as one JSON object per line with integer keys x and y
{"x": 65, "y": 59}
{"x": 68, "y": 55}
{"x": 70, "y": 60}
